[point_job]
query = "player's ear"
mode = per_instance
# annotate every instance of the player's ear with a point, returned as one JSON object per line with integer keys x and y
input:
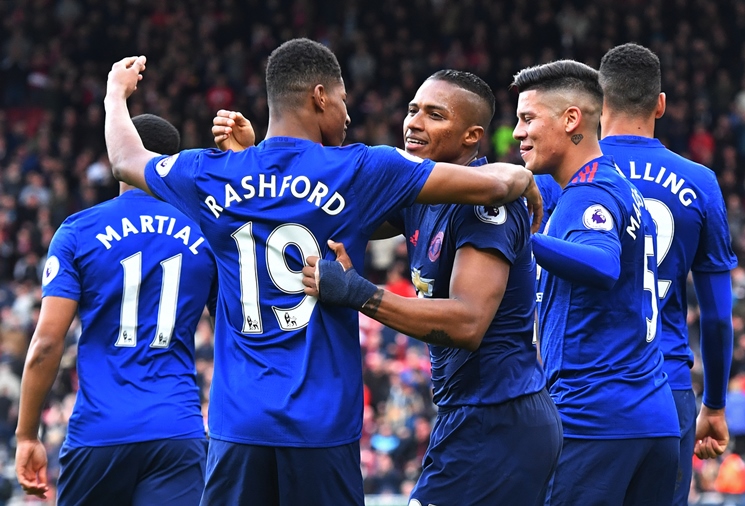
{"x": 572, "y": 118}
{"x": 319, "y": 97}
{"x": 661, "y": 105}
{"x": 473, "y": 135}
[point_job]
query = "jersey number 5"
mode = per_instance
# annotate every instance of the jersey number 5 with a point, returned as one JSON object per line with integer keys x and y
{"x": 650, "y": 286}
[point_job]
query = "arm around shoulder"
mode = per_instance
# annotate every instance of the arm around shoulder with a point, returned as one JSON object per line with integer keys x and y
{"x": 493, "y": 184}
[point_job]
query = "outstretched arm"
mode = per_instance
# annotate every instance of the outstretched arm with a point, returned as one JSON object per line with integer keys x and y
{"x": 494, "y": 184}
{"x": 593, "y": 260}
{"x": 39, "y": 373}
{"x": 127, "y": 154}
{"x": 459, "y": 321}
{"x": 714, "y": 292}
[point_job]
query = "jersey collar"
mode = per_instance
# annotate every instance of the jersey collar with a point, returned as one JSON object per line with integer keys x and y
{"x": 632, "y": 140}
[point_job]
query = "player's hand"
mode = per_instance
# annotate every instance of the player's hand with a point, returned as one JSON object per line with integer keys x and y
{"x": 535, "y": 204}
{"x": 341, "y": 254}
{"x": 712, "y": 433}
{"x": 124, "y": 76}
{"x": 31, "y": 467}
{"x": 311, "y": 272}
{"x": 232, "y": 131}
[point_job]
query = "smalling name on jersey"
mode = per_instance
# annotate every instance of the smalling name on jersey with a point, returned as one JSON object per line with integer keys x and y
{"x": 299, "y": 187}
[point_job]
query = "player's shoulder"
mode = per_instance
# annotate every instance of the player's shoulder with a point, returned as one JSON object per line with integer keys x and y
{"x": 693, "y": 171}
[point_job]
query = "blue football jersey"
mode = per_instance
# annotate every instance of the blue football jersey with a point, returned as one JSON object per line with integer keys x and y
{"x": 142, "y": 273}
{"x": 600, "y": 348}
{"x": 505, "y": 366}
{"x": 550, "y": 192}
{"x": 287, "y": 370}
{"x": 687, "y": 207}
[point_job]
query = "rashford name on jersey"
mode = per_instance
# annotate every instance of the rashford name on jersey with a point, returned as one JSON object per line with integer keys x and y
{"x": 299, "y": 187}
{"x": 672, "y": 182}
{"x": 157, "y": 224}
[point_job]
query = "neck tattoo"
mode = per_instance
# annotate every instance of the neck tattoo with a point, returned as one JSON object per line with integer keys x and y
{"x": 577, "y": 138}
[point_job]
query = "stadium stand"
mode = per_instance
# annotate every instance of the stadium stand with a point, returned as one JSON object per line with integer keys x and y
{"x": 209, "y": 54}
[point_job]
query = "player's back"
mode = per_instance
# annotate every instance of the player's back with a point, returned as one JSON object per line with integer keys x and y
{"x": 686, "y": 204}
{"x": 600, "y": 348}
{"x": 142, "y": 273}
{"x": 287, "y": 370}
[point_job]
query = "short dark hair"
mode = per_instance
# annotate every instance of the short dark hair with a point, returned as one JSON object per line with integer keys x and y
{"x": 631, "y": 79}
{"x": 298, "y": 65}
{"x": 157, "y": 134}
{"x": 560, "y": 75}
{"x": 469, "y": 82}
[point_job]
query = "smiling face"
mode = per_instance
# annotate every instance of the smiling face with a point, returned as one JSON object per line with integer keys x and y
{"x": 334, "y": 121}
{"x": 540, "y": 132}
{"x": 441, "y": 123}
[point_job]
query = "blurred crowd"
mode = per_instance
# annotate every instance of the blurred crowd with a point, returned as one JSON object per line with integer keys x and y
{"x": 204, "y": 55}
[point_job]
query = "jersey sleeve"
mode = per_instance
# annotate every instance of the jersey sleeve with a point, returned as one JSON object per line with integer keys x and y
{"x": 389, "y": 179}
{"x": 550, "y": 192}
{"x": 172, "y": 179}
{"x": 587, "y": 209}
{"x": 484, "y": 227}
{"x": 61, "y": 277}
{"x": 714, "y": 252}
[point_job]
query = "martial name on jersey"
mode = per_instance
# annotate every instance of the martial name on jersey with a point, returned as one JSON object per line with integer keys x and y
{"x": 157, "y": 224}
{"x": 298, "y": 187}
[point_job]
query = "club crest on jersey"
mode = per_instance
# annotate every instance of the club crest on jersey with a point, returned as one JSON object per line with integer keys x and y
{"x": 435, "y": 247}
{"x": 51, "y": 268}
{"x": 163, "y": 167}
{"x": 493, "y": 215}
{"x": 597, "y": 217}
{"x": 424, "y": 286}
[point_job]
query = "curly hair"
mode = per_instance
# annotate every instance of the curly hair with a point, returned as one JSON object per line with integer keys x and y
{"x": 157, "y": 134}
{"x": 631, "y": 79}
{"x": 297, "y": 66}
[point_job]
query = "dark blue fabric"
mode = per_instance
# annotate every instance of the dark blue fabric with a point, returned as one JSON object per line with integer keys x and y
{"x": 714, "y": 293}
{"x": 685, "y": 403}
{"x": 628, "y": 472}
{"x": 499, "y": 454}
{"x": 252, "y": 475}
{"x": 163, "y": 472}
{"x": 342, "y": 288}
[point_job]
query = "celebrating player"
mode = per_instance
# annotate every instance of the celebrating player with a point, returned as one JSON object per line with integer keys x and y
{"x": 138, "y": 272}
{"x": 497, "y": 436}
{"x": 286, "y": 405}
{"x": 598, "y": 319}
{"x": 686, "y": 204}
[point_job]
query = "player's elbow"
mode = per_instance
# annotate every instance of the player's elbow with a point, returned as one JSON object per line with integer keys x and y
{"x": 43, "y": 348}
{"x": 118, "y": 170}
{"x": 471, "y": 336}
{"x": 499, "y": 193}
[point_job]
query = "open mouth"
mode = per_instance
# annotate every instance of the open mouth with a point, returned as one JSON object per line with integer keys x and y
{"x": 412, "y": 143}
{"x": 524, "y": 150}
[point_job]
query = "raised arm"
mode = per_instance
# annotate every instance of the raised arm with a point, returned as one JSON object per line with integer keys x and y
{"x": 39, "y": 373}
{"x": 459, "y": 321}
{"x": 493, "y": 184}
{"x": 127, "y": 154}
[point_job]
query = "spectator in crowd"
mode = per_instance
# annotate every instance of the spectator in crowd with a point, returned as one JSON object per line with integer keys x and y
{"x": 53, "y": 65}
